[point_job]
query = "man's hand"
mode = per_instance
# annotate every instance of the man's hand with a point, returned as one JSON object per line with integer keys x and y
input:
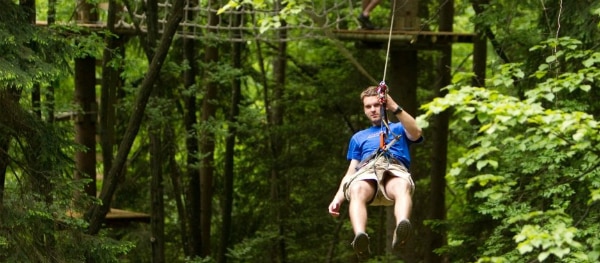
{"x": 391, "y": 105}
{"x": 334, "y": 208}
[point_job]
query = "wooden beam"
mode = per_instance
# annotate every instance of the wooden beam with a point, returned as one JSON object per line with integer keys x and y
{"x": 404, "y": 39}
{"x": 119, "y": 217}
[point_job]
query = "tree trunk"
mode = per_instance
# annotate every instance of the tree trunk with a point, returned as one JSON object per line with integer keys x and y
{"x": 152, "y": 23}
{"x": 230, "y": 148}
{"x": 9, "y": 99}
{"x": 4, "y": 144}
{"x": 96, "y": 214}
{"x": 85, "y": 122}
{"x": 51, "y": 18}
{"x": 192, "y": 245}
{"x": 278, "y": 182}
{"x": 178, "y": 195}
{"x": 157, "y": 221}
{"x": 479, "y": 8}
{"x": 191, "y": 143}
{"x": 111, "y": 82}
{"x": 440, "y": 142}
{"x": 85, "y": 97}
{"x": 403, "y": 87}
{"x": 479, "y": 49}
{"x": 207, "y": 144}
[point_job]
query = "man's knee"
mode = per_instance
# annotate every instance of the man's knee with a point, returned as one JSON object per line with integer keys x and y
{"x": 361, "y": 190}
{"x": 397, "y": 186}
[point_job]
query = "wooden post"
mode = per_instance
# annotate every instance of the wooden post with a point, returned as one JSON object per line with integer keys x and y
{"x": 406, "y": 15}
{"x": 85, "y": 97}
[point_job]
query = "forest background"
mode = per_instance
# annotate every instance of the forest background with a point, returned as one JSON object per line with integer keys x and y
{"x": 232, "y": 150}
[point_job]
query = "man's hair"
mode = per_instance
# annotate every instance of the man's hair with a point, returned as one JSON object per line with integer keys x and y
{"x": 370, "y": 91}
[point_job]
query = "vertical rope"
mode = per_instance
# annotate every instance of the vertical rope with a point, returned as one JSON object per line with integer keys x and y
{"x": 387, "y": 54}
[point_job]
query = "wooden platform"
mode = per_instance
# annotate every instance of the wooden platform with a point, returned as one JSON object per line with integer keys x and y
{"x": 418, "y": 40}
{"x": 124, "y": 216}
{"x": 117, "y": 217}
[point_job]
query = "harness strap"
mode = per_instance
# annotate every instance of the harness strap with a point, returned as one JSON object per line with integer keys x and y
{"x": 373, "y": 157}
{"x": 379, "y": 152}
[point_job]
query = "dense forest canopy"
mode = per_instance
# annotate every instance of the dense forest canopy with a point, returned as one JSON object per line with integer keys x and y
{"x": 230, "y": 151}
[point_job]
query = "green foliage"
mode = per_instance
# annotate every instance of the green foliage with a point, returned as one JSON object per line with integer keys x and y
{"x": 30, "y": 55}
{"x": 39, "y": 219}
{"x": 532, "y": 164}
{"x": 526, "y": 175}
{"x": 289, "y": 12}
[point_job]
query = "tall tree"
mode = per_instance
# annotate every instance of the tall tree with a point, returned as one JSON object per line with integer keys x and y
{"x": 157, "y": 156}
{"x": 276, "y": 113}
{"x": 85, "y": 97}
{"x": 50, "y": 96}
{"x": 157, "y": 218}
{"x": 110, "y": 84}
{"x": 479, "y": 47}
{"x": 228, "y": 176}
{"x": 207, "y": 140}
{"x": 191, "y": 146}
{"x": 404, "y": 72}
{"x": 440, "y": 142}
{"x": 191, "y": 243}
{"x": 29, "y": 7}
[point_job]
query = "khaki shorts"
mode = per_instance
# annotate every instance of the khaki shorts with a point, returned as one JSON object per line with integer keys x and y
{"x": 378, "y": 170}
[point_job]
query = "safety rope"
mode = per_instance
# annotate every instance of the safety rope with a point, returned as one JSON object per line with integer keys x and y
{"x": 387, "y": 54}
{"x": 382, "y": 89}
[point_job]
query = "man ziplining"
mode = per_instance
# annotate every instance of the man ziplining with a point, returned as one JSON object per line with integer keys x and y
{"x": 378, "y": 171}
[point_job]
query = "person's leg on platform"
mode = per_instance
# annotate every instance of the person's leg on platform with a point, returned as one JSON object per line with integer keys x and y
{"x": 364, "y": 17}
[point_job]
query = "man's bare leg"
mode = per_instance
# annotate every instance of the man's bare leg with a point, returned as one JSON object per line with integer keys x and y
{"x": 399, "y": 190}
{"x": 368, "y": 6}
{"x": 360, "y": 194}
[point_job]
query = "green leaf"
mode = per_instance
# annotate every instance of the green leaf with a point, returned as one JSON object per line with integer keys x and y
{"x": 550, "y": 59}
{"x": 585, "y": 88}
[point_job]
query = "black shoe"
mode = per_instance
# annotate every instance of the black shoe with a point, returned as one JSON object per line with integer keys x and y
{"x": 361, "y": 246}
{"x": 401, "y": 234}
{"x": 365, "y": 22}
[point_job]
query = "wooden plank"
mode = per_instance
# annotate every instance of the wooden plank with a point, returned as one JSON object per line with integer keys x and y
{"x": 403, "y": 39}
{"x": 118, "y": 217}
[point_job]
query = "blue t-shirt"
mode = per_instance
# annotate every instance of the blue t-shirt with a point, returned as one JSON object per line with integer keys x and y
{"x": 366, "y": 142}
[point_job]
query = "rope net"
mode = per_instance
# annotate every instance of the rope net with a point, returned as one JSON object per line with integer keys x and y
{"x": 246, "y": 22}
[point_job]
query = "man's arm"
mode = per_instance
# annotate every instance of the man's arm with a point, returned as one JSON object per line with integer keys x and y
{"x": 339, "y": 198}
{"x": 413, "y": 131}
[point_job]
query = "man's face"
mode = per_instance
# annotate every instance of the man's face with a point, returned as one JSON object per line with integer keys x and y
{"x": 372, "y": 109}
